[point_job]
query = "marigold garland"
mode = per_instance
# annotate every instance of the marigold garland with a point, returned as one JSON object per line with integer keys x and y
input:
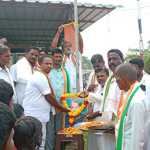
{"x": 72, "y": 114}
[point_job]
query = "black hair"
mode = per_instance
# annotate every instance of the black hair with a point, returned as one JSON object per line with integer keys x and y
{"x": 38, "y": 130}
{"x": 137, "y": 61}
{"x": 3, "y": 48}
{"x": 41, "y": 58}
{"x": 97, "y": 58}
{"x": 104, "y": 70}
{"x": 45, "y": 51}
{"x": 28, "y": 133}
{"x": 18, "y": 110}
{"x": 30, "y": 48}
{"x": 6, "y": 92}
{"x": 118, "y": 52}
{"x": 56, "y": 50}
{"x": 7, "y": 122}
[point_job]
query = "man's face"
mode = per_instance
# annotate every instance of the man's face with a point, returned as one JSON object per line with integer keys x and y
{"x": 57, "y": 59}
{"x": 101, "y": 77}
{"x": 67, "y": 48}
{"x": 46, "y": 65}
{"x": 113, "y": 60}
{"x": 122, "y": 82}
{"x": 98, "y": 66}
{"x": 5, "y": 58}
{"x": 139, "y": 71}
{"x": 32, "y": 56}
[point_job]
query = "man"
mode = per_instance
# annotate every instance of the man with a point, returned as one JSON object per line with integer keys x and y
{"x": 138, "y": 63}
{"x": 23, "y": 70}
{"x": 3, "y": 41}
{"x": 97, "y": 63}
{"x": 27, "y": 133}
{"x": 111, "y": 94}
{"x": 7, "y": 121}
{"x": 132, "y": 111}
{"x": 96, "y": 97}
{"x": 39, "y": 96}
{"x": 43, "y": 52}
{"x": 109, "y": 104}
{"x": 143, "y": 76}
{"x": 70, "y": 63}
{"x": 5, "y": 56}
{"x": 59, "y": 79}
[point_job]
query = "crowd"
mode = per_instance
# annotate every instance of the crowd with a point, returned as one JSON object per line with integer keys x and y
{"x": 31, "y": 112}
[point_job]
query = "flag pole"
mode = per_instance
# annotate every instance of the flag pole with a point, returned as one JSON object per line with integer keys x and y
{"x": 141, "y": 44}
{"x": 77, "y": 52}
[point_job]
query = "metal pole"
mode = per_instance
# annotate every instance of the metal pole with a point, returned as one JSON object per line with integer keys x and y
{"x": 78, "y": 55}
{"x": 141, "y": 45}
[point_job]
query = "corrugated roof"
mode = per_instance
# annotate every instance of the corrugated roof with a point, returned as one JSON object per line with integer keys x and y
{"x": 35, "y": 23}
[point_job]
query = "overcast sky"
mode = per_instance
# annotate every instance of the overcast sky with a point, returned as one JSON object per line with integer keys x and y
{"x": 119, "y": 29}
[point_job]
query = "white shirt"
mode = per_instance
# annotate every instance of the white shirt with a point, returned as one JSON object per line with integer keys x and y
{"x": 21, "y": 72}
{"x": 133, "y": 136}
{"x": 96, "y": 98}
{"x": 113, "y": 98}
{"x": 34, "y": 102}
{"x": 146, "y": 78}
{"x": 71, "y": 69}
{"x": 5, "y": 75}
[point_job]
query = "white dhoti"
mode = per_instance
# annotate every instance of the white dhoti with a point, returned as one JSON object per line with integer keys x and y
{"x": 42, "y": 146}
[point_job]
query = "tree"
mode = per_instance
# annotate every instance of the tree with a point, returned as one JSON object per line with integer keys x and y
{"x": 147, "y": 61}
{"x": 86, "y": 63}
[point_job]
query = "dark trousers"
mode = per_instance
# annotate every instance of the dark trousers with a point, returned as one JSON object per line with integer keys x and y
{"x": 54, "y": 125}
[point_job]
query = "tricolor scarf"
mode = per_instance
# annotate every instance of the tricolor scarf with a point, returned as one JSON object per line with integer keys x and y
{"x": 119, "y": 144}
{"x": 66, "y": 80}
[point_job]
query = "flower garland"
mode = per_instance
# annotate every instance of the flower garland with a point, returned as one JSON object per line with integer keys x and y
{"x": 72, "y": 114}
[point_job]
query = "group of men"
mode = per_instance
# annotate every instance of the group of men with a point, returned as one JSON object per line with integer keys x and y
{"x": 38, "y": 81}
{"x": 124, "y": 99}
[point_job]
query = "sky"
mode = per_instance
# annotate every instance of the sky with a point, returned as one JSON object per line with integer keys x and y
{"x": 119, "y": 29}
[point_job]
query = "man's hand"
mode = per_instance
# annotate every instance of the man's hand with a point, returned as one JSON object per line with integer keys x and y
{"x": 64, "y": 109}
{"x": 93, "y": 115}
{"x": 84, "y": 94}
{"x": 60, "y": 28}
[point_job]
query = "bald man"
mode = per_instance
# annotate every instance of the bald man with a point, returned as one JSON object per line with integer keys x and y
{"x": 131, "y": 110}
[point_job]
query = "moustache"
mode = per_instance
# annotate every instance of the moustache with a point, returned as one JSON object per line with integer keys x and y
{"x": 112, "y": 65}
{"x": 34, "y": 58}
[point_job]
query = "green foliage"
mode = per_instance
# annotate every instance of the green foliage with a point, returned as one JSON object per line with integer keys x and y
{"x": 146, "y": 59}
{"x": 86, "y": 63}
{"x": 130, "y": 56}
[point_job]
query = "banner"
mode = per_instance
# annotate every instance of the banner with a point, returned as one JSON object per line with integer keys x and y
{"x": 69, "y": 36}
